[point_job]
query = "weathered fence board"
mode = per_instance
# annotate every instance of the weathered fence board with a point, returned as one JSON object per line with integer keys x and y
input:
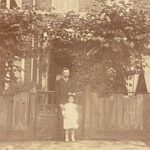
{"x": 9, "y": 111}
{"x": 100, "y": 113}
{"x": 2, "y": 113}
{"x": 120, "y": 104}
{"x": 35, "y": 113}
{"x": 46, "y": 121}
{"x": 87, "y": 111}
{"x": 126, "y": 114}
{"x": 20, "y": 111}
{"x": 140, "y": 111}
{"x": 146, "y": 112}
{"x": 113, "y": 112}
{"x": 113, "y": 121}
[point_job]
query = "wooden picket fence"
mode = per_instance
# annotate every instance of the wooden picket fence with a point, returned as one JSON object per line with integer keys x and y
{"x": 32, "y": 115}
{"x": 115, "y": 112}
{"x": 14, "y": 115}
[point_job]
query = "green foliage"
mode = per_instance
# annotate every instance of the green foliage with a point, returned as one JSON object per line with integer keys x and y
{"x": 111, "y": 37}
{"x": 103, "y": 42}
{"x": 18, "y": 30}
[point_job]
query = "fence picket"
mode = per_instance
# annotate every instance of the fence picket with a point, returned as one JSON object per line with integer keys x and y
{"x": 140, "y": 111}
{"x": 101, "y": 113}
{"x": 113, "y": 113}
{"x": 120, "y": 107}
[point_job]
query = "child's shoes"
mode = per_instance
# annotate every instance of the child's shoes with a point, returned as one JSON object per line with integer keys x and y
{"x": 72, "y": 139}
{"x": 66, "y": 139}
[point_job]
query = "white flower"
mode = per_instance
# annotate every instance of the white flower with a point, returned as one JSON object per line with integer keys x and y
{"x": 102, "y": 16}
{"x": 132, "y": 44}
{"x": 89, "y": 34}
{"x": 125, "y": 39}
{"x": 93, "y": 17}
{"x": 121, "y": 14}
{"x": 118, "y": 39}
{"x": 108, "y": 19}
{"x": 101, "y": 38}
{"x": 84, "y": 40}
{"x": 69, "y": 30}
{"x": 104, "y": 32}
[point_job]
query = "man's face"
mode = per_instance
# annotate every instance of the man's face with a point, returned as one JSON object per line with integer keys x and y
{"x": 66, "y": 73}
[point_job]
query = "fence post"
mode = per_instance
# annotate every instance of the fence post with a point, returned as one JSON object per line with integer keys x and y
{"x": 146, "y": 113}
{"x": 87, "y": 112}
{"x": 32, "y": 120}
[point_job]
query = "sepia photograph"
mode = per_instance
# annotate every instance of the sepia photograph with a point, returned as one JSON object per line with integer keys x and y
{"x": 74, "y": 74}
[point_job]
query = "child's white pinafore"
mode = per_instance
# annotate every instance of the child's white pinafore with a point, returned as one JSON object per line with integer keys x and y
{"x": 70, "y": 116}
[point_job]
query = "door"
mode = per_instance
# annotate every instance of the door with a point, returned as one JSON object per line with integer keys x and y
{"x": 46, "y": 115}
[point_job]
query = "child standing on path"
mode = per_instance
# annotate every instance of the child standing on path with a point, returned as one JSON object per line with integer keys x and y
{"x": 70, "y": 118}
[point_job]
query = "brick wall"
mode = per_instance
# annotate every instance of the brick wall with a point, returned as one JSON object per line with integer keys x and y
{"x": 83, "y": 5}
{"x": 44, "y": 4}
{"x": 26, "y": 4}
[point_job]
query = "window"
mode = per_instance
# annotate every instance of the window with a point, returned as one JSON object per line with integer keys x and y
{"x": 11, "y": 3}
{"x": 129, "y": 3}
{"x": 19, "y": 3}
{"x": 65, "y": 5}
{"x": 20, "y": 74}
{"x": 132, "y": 83}
{"x": 141, "y": 86}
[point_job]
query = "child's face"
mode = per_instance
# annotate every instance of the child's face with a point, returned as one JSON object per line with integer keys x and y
{"x": 71, "y": 99}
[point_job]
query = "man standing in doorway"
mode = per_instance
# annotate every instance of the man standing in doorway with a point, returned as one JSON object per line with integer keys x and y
{"x": 63, "y": 86}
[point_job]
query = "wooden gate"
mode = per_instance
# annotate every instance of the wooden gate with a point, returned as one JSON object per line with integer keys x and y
{"x": 46, "y": 115}
{"x": 31, "y": 115}
{"x": 46, "y": 119}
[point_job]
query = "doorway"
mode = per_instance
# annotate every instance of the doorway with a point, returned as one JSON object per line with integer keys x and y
{"x": 59, "y": 61}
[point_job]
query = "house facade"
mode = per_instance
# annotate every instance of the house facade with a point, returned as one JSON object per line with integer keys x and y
{"x": 31, "y": 67}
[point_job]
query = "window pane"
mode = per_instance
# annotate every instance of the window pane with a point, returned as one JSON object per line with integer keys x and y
{"x": 59, "y": 5}
{"x": 65, "y": 5}
{"x": 10, "y": 3}
{"x": 72, "y": 5}
{"x": 44, "y": 5}
{"x": 18, "y": 2}
{"x": 13, "y": 4}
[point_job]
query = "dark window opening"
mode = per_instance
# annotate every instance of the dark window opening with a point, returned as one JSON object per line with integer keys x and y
{"x": 13, "y": 4}
{"x": 141, "y": 87}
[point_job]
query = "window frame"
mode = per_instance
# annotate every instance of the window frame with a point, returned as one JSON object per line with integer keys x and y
{"x": 8, "y": 4}
{"x": 64, "y": 11}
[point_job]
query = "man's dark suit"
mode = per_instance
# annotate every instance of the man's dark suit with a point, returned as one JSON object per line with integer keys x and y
{"x": 62, "y": 89}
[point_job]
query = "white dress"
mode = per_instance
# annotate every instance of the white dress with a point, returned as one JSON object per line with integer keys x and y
{"x": 70, "y": 116}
